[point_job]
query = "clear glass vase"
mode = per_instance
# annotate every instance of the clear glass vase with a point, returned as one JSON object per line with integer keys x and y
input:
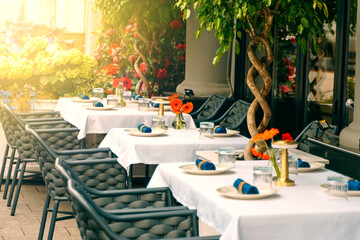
{"x": 179, "y": 122}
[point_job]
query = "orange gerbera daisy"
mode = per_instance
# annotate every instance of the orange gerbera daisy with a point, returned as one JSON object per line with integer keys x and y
{"x": 187, "y": 107}
{"x": 173, "y": 96}
{"x": 270, "y": 133}
{"x": 255, "y": 153}
{"x": 176, "y": 104}
{"x": 258, "y": 137}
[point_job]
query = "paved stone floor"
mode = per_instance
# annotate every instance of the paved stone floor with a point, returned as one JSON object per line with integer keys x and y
{"x": 26, "y": 222}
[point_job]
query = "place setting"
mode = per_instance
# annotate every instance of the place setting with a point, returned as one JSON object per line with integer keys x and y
{"x": 82, "y": 98}
{"x": 340, "y": 187}
{"x": 144, "y": 131}
{"x": 209, "y": 130}
{"x": 97, "y": 105}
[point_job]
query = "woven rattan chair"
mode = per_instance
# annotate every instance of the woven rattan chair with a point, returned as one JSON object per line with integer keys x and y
{"x": 209, "y": 110}
{"x": 234, "y": 117}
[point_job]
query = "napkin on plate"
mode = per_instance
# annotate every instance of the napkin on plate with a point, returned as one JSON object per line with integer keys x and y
{"x": 155, "y": 105}
{"x": 204, "y": 165}
{"x": 83, "y": 96}
{"x": 303, "y": 164}
{"x": 353, "y": 185}
{"x": 137, "y": 97}
{"x": 218, "y": 129}
{"x": 98, "y": 104}
{"x": 144, "y": 129}
{"x": 244, "y": 187}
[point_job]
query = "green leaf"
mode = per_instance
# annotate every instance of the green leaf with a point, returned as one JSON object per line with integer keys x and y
{"x": 237, "y": 47}
{"x": 217, "y": 23}
{"x": 304, "y": 22}
{"x": 238, "y": 34}
{"x": 187, "y": 13}
{"x": 197, "y": 33}
{"x": 300, "y": 28}
{"x": 215, "y": 60}
{"x": 326, "y": 12}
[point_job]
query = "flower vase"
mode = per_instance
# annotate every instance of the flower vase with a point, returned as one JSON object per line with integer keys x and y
{"x": 179, "y": 122}
{"x": 121, "y": 99}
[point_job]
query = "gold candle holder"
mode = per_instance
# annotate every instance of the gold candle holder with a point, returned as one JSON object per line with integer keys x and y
{"x": 284, "y": 180}
{"x": 161, "y": 110}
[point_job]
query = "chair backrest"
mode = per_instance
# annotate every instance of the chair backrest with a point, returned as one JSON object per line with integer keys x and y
{"x": 9, "y": 125}
{"x": 235, "y": 115}
{"x": 210, "y": 108}
{"x": 94, "y": 223}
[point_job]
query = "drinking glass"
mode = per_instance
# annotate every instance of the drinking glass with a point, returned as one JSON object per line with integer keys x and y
{"x": 98, "y": 93}
{"x": 158, "y": 122}
{"x": 206, "y": 130}
{"x": 337, "y": 188}
{"x": 112, "y": 100}
{"x": 293, "y": 164}
{"x": 143, "y": 104}
{"x": 262, "y": 177}
{"x": 227, "y": 156}
{"x": 127, "y": 95}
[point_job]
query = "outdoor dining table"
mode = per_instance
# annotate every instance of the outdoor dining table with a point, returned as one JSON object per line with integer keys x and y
{"x": 303, "y": 211}
{"x": 99, "y": 122}
{"x": 173, "y": 146}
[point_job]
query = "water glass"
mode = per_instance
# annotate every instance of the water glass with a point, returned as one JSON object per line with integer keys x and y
{"x": 112, "y": 100}
{"x": 143, "y": 104}
{"x": 98, "y": 93}
{"x": 127, "y": 95}
{"x": 293, "y": 164}
{"x": 262, "y": 177}
{"x": 337, "y": 188}
{"x": 158, "y": 122}
{"x": 206, "y": 130}
{"x": 227, "y": 156}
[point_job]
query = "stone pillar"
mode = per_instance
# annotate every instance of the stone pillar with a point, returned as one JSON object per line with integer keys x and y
{"x": 350, "y": 136}
{"x": 201, "y": 75}
{"x": 90, "y": 26}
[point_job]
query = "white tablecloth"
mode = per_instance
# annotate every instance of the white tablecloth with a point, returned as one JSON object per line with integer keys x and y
{"x": 299, "y": 212}
{"x": 175, "y": 146}
{"x": 90, "y": 121}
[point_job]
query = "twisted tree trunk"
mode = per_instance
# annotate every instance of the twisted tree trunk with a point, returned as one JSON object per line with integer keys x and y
{"x": 259, "y": 67}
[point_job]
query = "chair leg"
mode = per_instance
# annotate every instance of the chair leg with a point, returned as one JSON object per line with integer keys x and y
{"x": 9, "y": 172}
{"x": 18, "y": 188}
{"x": 53, "y": 219}
{"x": 43, "y": 218}
{"x": 4, "y": 164}
{"x": 13, "y": 182}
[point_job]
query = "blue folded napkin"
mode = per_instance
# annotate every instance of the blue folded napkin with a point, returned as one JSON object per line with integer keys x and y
{"x": 144, "y": 129}
{"x": 218, "y": 129}
{"x": 98, "y": 104}
{"x": 245, "y": 188}
{"x": 155, "y": 105}
{"x": 137, "y": 97}
{"x": 302, "y": 164}
{"x": 204, "y": 165}
{"x": 83, "y": 96}
{"x": 353, "y": 185}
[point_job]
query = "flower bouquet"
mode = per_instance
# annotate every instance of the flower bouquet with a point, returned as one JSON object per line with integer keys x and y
{"x": 178, "y": 108}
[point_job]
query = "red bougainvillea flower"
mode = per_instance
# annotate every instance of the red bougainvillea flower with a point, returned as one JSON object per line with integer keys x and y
{"x": 161, "y": 73}
{"x": 180, "y": 46}
{"x": 109, "y": 92}
{"x": 135, "y": 35}
{"x": 113, "y": 49}
{"x": 182, "y": 57}
{"x": 110, "y": 69}
{"x": 127, "y": 83}
{"x": 173, "y": 96}
{"x": 135, "y": 74}
{"x": 187, "y": 107}
{"x": 285, "y": 89}
{"x": 287, "y": 137}
{"x": 143, "y": 67}
{"x": 176, "y": 104}
{"x": 116, "y": 82}
{"x": 128, "y": 28}
{"x": 132, "y": 58}
{"x": 184, "y": 46}
{"x": 176, "y": 25}
{"x": 167, "y": 62}
{"x": 292, "y": 39}
{"x": 116, "y": 59}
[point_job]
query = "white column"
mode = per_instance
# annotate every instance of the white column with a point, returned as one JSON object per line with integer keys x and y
{"x": 90, "y": 27}
{"x": 201, "y": 75}
{"x": 350, "y": 136}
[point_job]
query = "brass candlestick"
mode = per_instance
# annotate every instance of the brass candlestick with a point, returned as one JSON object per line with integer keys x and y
{"x": 284, "y": 180}
{"x": 161, "y": 110}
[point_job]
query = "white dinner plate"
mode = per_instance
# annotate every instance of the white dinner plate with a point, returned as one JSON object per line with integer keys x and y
{"x": 137, "y": 133}
{"x": 193, "y": 169}
{"x": 228, "y": 133}
{"x": 104, "y": 108}
{"x": 313, "y": 167}
{"x": 166, "y": 108}
{"x": 79, "y": 100}
{"x": 232, "y": 192}
{"x": 350, "y": 193}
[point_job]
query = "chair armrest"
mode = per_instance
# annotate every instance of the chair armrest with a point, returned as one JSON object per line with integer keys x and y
{"x": 34, "y": 120}
{"x": 144, "y": 210}
{"x": 37, "y": 114}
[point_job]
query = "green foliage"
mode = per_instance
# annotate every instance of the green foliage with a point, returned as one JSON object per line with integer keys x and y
{"x": 303, "y": 19}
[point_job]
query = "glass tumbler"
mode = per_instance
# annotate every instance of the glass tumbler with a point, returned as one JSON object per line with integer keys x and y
{"x": 262, "y": 177}
{"x": 127, "y": 95}
{"x": 227, "y": 156}
{"x": 206, "y": 130}
{"x": 98, "y": 93}
{"x": 158, "y": 122}
{"x": 143, "y": 104}
{"x": 112, "y": 100}
{"x": 337, "y": 188}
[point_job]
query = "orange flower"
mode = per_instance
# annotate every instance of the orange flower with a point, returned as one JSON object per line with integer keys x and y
{"x": 127, "y": 83}
{"x": 287, "y": 137}
{"x": 270, "y": 133}
{"x": 255, "y": 153}
{"x": 110, "y": 69}
{"x": 258, "y": 137}
{"x": 187, "y": 107}
{"x": 173, "y": 96}
{"x": 265, "y": 157}
{"x": 176, "y": 104}
{"x": 116, "y": 82}
{"x": 113, "y": 48}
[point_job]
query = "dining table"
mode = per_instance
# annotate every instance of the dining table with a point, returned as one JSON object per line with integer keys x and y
{"x": 99, "y": 120}
{"x": 303, "y": 211}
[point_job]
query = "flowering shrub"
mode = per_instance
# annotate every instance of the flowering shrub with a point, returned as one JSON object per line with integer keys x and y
{"x": 20, "y": 99}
